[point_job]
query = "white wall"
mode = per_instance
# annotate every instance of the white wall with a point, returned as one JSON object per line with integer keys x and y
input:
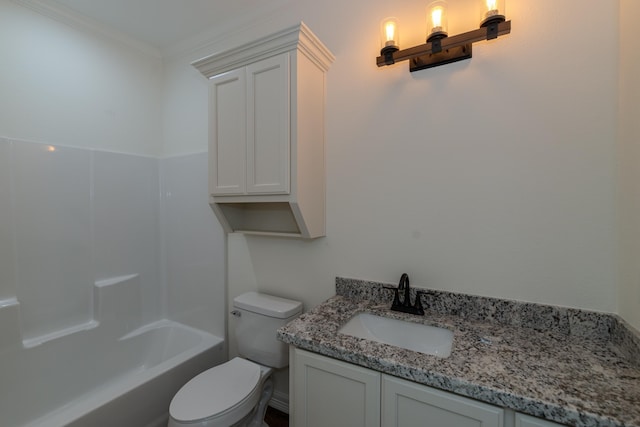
{"x": 628, "y": 164}
{"x": 64, "y": 86}
{"x": 494, "y": 176}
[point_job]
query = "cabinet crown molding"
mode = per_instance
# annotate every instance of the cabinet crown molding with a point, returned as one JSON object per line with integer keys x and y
{"x": 298, "y": 37}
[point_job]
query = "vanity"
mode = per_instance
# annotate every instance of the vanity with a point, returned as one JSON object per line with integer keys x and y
{"x": 511, "y": 364}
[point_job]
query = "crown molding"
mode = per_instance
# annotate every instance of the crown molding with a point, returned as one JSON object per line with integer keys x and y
{"x": 297, "y": 37}
{"x": 80, "y": 22}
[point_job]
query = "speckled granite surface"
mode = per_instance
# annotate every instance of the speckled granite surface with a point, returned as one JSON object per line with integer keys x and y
{"x": 569, "y": 366}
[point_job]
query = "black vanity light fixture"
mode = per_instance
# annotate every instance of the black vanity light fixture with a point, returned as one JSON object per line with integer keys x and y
{"x": 441, "y": 49}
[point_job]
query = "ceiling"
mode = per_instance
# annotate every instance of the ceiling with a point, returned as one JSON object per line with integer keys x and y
{"x": 160, "y": 23}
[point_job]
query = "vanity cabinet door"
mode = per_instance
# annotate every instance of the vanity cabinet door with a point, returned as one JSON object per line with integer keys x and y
{"x": 529, "y": 421}
{"x": 406, "y": 404}
{"x": 328, "y": 392}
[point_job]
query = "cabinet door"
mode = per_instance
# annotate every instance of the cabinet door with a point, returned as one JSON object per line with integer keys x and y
{"x": 268, "y": 128}
{"x": 333, "y": 393}
{"x": 227, "y": 133}
{"x": 406, "y": 404}
{"x": 528, "y": 421}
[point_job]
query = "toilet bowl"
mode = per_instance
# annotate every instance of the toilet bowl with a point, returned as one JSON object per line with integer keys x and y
{"x": 236, "y": 393}
{"x": 225, "y": 395}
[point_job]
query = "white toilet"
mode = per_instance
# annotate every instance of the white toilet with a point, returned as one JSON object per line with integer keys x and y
{"x": 237, "y": 392}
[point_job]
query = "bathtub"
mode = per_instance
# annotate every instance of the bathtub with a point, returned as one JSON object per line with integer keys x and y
{"x": 83, "y": 379}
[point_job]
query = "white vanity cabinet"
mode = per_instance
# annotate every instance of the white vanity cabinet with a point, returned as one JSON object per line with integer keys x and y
{"x": 523, "y": 420}
{"x": 266, "y": 134}
{"x": 408, "y": 404}
{"x": 329, "y": 392}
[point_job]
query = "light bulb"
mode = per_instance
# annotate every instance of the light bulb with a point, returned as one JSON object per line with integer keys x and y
{"x": 436, "y": 17}
{"x": 390, "y": 34}
{"x": 390, "y": 29}
{"x": 436, "y": 20}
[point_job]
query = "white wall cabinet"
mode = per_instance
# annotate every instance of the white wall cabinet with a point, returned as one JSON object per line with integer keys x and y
{"x": 266, "y": 134}
{"x": 329, "y": 392}
{"x": 250, "y": 135}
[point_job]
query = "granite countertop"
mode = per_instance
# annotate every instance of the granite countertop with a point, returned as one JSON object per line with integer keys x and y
{"x": 568, "y": 366}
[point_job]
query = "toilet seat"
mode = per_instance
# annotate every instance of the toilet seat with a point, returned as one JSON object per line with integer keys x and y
{"x": 225, "y": 392}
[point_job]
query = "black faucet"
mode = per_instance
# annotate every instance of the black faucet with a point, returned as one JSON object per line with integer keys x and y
{"x": 405, "y": 306}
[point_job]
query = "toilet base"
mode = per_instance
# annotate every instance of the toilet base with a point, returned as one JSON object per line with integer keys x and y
{"x": 256, "y": 417}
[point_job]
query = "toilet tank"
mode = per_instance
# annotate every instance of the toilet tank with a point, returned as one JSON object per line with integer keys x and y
{"x": 260, "y": 316}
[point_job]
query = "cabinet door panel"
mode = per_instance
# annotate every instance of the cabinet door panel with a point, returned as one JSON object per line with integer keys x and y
{"x": 406, "y": 404}
{"x": 528, "y": 421}
{"x": 228, "y": 121}
{"x": 333, "y": 393}
{"x": 268, "y": 132}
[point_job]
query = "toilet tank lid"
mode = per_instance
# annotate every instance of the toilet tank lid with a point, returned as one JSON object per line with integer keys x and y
{"x": 268, "y": 305}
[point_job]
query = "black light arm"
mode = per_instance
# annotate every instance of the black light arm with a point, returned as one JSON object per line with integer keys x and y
{"x": 445, "y": 50}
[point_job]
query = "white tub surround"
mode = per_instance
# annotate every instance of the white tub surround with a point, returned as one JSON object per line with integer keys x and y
{"x": 86, "y": 379}
{"x": 96, "y": 373}
{"x": 108, "y": 264}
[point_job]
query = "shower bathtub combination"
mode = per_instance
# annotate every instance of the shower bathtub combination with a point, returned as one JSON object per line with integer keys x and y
{"x": 111, "y": 371}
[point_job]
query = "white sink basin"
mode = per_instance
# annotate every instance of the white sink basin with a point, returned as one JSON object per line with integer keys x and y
{"x": 412, "y": 336}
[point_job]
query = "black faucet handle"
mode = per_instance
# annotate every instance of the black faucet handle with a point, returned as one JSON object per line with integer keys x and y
{"x": 418, "y": 303}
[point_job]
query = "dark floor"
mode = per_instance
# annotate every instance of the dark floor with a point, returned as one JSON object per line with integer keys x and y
{"x": 276, "y": 418}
